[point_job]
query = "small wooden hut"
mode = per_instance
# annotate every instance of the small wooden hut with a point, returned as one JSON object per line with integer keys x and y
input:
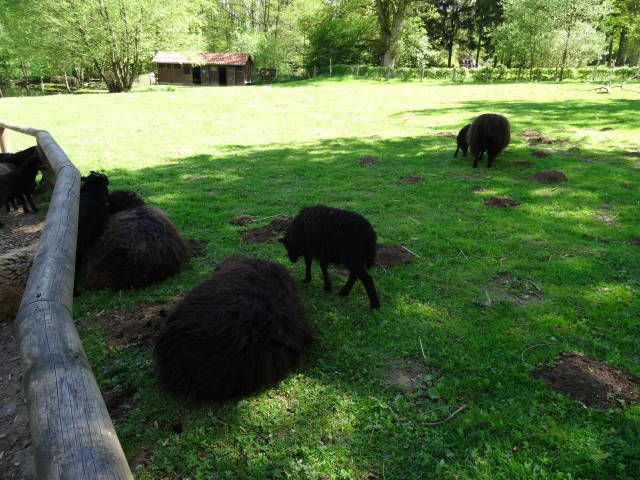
{"x": 203, "y": 68}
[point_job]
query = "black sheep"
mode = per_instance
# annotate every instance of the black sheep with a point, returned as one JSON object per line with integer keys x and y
{"x": 122, "y": 200}
{"x": 240, "y": 331}
{"x": 139, "y": 246}
{"x": 461, "y": 141}
{"x": 19, "y": 183}
{"x": 488, "y": 133}
{"x": 92, "y": 216}
{"x": 18, "y": 158}
{"x": 331, "y": 235}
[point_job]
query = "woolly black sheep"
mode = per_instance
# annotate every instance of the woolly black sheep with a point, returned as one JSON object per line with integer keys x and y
{"x": 336, "y": 236}
{"x": 20, "y": 183}
{"x": 93, "y": 215}
{"x": 18, "y": 158}
{"x": 488, "y": 133}
{"x": 14, "y": 272}
{"x": 139, "y": 246}
{"x": 123, "y": 199}
{"x": 242, "y": 330}
{"x": 461, "y": 141}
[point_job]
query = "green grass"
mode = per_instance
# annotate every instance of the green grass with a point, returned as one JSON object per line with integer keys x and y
{"x": 269, "y": 150}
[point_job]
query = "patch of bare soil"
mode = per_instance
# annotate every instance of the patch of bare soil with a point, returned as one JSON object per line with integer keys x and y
{"x": 140, "y": 458}
{"x": 626, "y": 185}
{"x": 280, "y": 223}
{"x": 633, "y": 154}
{"x": 540, "y": 154}
{"x": 477, "y": 189}
{"x": 19, "y": 229}
{"x": 137, "y": 325}
{"x": 411, "y": 180}
{"x": 500, "y": 202}
{"x": 392, "y": 254}
{"x": 214, "y": 192}
{"x": 635, "y": 240}
{"x": 16, "y": 458}
{"x": 591, "y": 382}
{"x": 530, "y": 133}
{"x": 606, "y": 129}
{"x": 548, "y": 176}
{"x": 368, "y": 161}
{"x": 259, "y": 235}
{"x": 542, "y": 140}
{"x": 242, "y": 220}
{"x": 604, "y": 215}
{"x": 196, "y": 246}
{"x": 506, "y": 287}
{"x": 447, "y": 134}
{"x": 406, "y": 378}
{"x": 119, "y": 400}
{"x": 523, "y": 164}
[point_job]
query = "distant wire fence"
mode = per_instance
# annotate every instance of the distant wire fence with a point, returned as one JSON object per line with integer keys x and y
{"x": 72, "y": 434}
{"x": 500, "y": 73}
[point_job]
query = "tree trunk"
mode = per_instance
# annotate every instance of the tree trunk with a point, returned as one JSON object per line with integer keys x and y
{"x": 479, "y": 47}
{"x": 388, "y": 59}
{"x": 621, "y": 46}
{"x": 563, "y": 64}
{"x": 66, "y": 82}
{"x": 390, "y": 20}
{"x": 450, "y": 53}
{"x": 610, "y": 54}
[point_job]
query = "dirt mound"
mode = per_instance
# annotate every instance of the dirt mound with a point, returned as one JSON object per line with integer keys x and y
{"x": 626, "y": 185}
{"x": 523, "y": 164}
{"x": 633, "y": 154}
{"x": 448, "y": 134}
{"x": 593, "y": 383}
{"x": 635, "y": 240}
{"x": 604, "y": 215}
{"x": 548, "y": 176}
{"x": 196, "y": 246}
{"x": 137, "y": 325}
{"x": 406, "y": 378}
{"x": 280, "y": 223}
{"x": 119, "y": 400}
{"x": 259, "y": 235}
{"x": 368, "y": 161}
{"x": 411, "y": 180}
{"x": 477, "y": 188}
{"x": 606, "y": 129}
{"x": 500, "y": 202}
{"x": 242, "y": 220}
{"x": 506, "y": 287}
{"x": 392, "y": 254}
{"x": 540, "y": 154}
{"x": 530, "y": 133}
{"x": 542, "y": 140}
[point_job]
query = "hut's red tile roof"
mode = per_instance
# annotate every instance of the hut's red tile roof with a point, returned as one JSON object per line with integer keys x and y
{"x": 202, "y": 58}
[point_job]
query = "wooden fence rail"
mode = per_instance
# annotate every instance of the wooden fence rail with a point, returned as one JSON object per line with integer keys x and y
{"x": 72, "y": 434}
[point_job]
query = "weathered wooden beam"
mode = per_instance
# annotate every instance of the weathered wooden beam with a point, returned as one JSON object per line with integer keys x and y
{"x": 4, "y": 140}
{"x": 72, "y": 434}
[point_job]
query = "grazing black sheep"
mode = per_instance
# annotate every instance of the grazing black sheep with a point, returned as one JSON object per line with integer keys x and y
{"x": 461, "y": 141}
{"x": 18, "y": 158}
{"x": 19, "y": 184}
{"x": 336, "y": 236}
{"x": 242, "y": 330}
{"x": 139, "y": 246}
{"x": 92, "y": 216}
{"x": 488, "y": 133}
{"x": 122, "y": 200}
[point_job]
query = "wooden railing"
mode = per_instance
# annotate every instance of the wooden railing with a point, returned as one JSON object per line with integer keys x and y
{"x": 72, "y": 434}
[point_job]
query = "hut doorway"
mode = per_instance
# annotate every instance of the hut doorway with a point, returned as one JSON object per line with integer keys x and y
{"x": 222, "y": 75}
{"x": 197, "y": 75}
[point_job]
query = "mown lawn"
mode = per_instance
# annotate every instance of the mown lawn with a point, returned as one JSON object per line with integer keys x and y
{"x": 207, "y": 154}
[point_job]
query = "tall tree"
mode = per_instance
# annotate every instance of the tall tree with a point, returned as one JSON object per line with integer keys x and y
{"x": 453, "y": 17}
{"x": 486, "y": 17}
{"x": 391, "y": 15}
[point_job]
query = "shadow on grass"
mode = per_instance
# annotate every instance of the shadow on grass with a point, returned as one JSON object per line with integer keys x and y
{"x": 339, "y": 414}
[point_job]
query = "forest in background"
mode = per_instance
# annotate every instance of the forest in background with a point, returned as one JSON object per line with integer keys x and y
{"x": 114, "y": 40}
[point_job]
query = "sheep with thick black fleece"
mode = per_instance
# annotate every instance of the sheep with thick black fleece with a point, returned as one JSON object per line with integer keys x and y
{"x": 18, "y": 158}
{"x": 461, "y": 141}
{"x": 489, "y": 133}
{"x": 120, "y": 200}
{"x": 93, "y": 214}
{"x": 242, "y": 330}
{"x": 139, "y": 246}
{"x": 20, "y": 183}
{"x": 331, "y": 235}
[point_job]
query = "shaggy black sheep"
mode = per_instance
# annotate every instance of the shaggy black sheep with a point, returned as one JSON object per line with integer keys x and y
{"x": 18, "y": 158}
{"x": 19, "y": 184}
{"x": 461, "y": 141}
{"x": 92, "y": 216}
{"x": 242, "y": 330}
{"x": 139, "y": 246}
{"x": 122, "y": 200}
{"x": 488, "y": 133}
{"x": 331, "y": 235}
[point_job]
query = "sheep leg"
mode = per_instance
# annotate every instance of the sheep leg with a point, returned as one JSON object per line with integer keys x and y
{"x": 491, "y": 158}
{"x": 464, "y": 151}
{"x": 25, "y": 209}
{"x": 30, "y": 200}
{"x": 374, "y": 301}
{"x": 456, "y": 154}
{"x": 476, "y": 157}
{"x": 344, "y": 291}
{"x": 325, "y": 276}
{"x": 307, "y": 265}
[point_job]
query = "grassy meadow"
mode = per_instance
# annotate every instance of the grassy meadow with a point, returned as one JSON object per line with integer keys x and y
{"x": 467, "y": 342}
